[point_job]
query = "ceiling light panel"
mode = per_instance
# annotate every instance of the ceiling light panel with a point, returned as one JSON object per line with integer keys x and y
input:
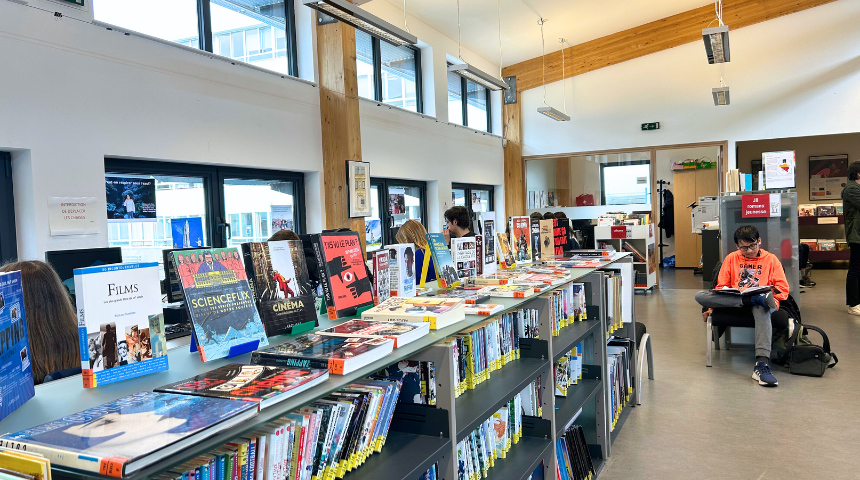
{"x": 553, "y": 114}
{"x": 717, "y": 44}
{"x": 478, "y": 76}
{"x": 721, "y": 96}
{"x": 363, "y": 20}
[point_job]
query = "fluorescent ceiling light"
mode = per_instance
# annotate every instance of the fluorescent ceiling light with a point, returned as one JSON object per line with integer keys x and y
{"x": 717, "y": 44}
{"x": 553, "y": 114}
{"x": 362, "y": 20}
{"x": 721, "y": 96}
{"x": 478, "y": 76}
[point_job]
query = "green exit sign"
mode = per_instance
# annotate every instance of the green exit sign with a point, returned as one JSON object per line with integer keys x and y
{"x": 651, "y": 126}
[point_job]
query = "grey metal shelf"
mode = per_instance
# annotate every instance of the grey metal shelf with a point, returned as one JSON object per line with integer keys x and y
{"x": 522, "y": 459}
{"x": 572, "y": 335}
{"x": 578, "y": 396}
{"x": 406, "y": 456}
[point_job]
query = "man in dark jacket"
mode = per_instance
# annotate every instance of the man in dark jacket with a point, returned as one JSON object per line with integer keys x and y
{"x": 851, "y": 210}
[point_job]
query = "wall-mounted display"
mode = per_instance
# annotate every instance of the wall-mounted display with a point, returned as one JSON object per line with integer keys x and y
{"x": 358, "y": 174}
{"x": 828, "y": 175}
{"x": 130, "y": 199}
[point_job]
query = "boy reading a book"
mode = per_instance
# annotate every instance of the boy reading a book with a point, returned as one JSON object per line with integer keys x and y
{"x": 750, "y": 267}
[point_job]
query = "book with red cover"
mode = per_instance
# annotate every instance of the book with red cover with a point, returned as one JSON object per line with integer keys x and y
{"x": 381, "y": 276}
{"x": 339, "y": 259}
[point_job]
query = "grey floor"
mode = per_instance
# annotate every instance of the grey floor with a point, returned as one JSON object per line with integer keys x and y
{"x": 698, "y": 422}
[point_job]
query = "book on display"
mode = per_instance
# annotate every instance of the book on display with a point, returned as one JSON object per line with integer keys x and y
{"x": 508, "y": 291}
{"x": 547, "y": 278}
{"x": 438, "y": 312}
{"x": 340, "y": 355}
{"x": 446, "y": 274}
{"x": 534, "y": 238}
{"x": 381, "y": 276}
{"x": 401, "y": 269}
{"x": 521, "y": 239}
{"x": 504, "y": 253}
{"x": 470, "y": 297}
{"x": 17, "y": 465}
{"x": 401, "y": 332}
{"x": 484, "y": 309}
{"x": 278, "y": 275}
{"x": 251, "y": 383}
{"x": 120, "y": 321}
{"x": 488, "y": 221}
{"x": 339, "y": 259}
{"x": 498, "y": 278}
{"x": 119, "y": 438}
{"x": 219, "y": 301}
{"x": 464, "y": 251}
{"x": 479, "y": 254}
{"x": 547, "y": 239}
{"x": 16, "y": 370}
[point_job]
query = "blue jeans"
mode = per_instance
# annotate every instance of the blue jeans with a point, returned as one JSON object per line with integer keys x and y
{"x": 763, "y": 325}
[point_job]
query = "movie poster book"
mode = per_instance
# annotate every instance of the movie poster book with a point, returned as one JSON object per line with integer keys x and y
{"x": 16, "y": 371}
{"x": 464, "y": 251}
{"x": 120, "y": 322}
{"x": 339, "y": 355}
{"x": 521, "y": 239}
{"x": 278, "y": 275}
{"x": 341, "y": 271}
{"x": 219, "y": 300}
{"x": 446, "y": 274}
{"x": 438, "y": 312}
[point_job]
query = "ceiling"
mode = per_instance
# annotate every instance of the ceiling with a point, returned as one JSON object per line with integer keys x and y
{"x": 576, "y": 21}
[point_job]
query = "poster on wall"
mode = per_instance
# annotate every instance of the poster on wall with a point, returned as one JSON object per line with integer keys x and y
{"x": 778, "y": 169}
{"x": 130, "y": 199}
{"x": 476, "y": 201}
{"x": 72, "y": 216}
{"x": 373, "y": 233}
{"x": 358, "y": 174}
{"x": 396, "y": 201}
{"x": 282, "y": 218}
{"x": 828, "y": 175}
{"x": 187, "y": 232}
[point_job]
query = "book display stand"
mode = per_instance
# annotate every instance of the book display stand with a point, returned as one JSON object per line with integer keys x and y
{"x": 235, "y": 350}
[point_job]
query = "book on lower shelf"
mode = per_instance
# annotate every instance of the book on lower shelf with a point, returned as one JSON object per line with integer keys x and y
{"x": 339, "y": 355}
{"x": 17, "y": 465}
{"x": 573, "y": 458}
{"x": 627, "y": 247}
{"x": 827, "y": 245}
{"x": 812, "y": 243}
{"x": 418, "y": 381}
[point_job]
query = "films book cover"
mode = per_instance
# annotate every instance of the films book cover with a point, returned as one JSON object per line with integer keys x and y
{"x": 381, "y": 276}
{"x": 489, "y": 258}
{"x": 446, "y": 274}
{"x": 340, "y": 355}
{"x": 219, "y": 300}
{"x": 252, "y": 383}
{"x": 120, "y": 322}
{"x": 438, "y": 312}
{"x": 16, "y": 372}
{"x": 401, "y": 332}
{"x": 465, "y": 255}
{"x": 401, "y": 269}
{"x": 346, "y": 273}
{"x": 521, "y": 239}
{"x": 119, "y": 438}
{"x": 278, "y": 276}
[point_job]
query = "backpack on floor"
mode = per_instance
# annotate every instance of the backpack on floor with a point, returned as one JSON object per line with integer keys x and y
{"x": 801, "y": 356}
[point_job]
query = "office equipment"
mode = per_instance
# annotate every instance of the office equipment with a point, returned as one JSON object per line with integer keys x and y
{"x": 66, "y": 261}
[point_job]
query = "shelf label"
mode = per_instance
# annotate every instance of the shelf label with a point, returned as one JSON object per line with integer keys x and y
{"x": 621, "y": 231}
{"x": 758, "y": 206}
{"x": 828, "y": 220}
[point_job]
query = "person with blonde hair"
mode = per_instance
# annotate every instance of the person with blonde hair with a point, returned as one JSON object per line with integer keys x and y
{"x": 415, "y": 233}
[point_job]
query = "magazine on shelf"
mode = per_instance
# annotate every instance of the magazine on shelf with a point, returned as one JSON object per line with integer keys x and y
{"x": 748, "y": 291}
{"x": 438, "y": 312}
{"x": 381, "y": 276}
{"x": 252, "y": 383}
{"x": 465, "y": 253}
{"x": 220, "y": 303}
{"x": 278, "y": 276}
{"x": 401, "y": 332}
{"x": 338, "y": 259}
{"x": 16, "y": 370}
{"x": 401, "y": 269}
{"x": 340, "y": 355}
{"x": 119, "y": 438}
{"x": 446, "y": 274}
{"x": 120, "y": 321}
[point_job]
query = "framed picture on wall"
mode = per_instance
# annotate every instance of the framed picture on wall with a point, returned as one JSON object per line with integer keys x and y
{"x": 828, "y": 175}
{"x": 358, "y": 180}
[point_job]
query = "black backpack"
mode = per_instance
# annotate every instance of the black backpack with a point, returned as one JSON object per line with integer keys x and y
{"x": 801, "y": 356}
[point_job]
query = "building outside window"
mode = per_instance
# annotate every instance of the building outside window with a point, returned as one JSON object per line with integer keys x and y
{"x": 472, "y": 109}
{"x": 387, "y": 73}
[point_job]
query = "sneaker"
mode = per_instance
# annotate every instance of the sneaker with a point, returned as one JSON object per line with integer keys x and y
{"x": 762, "y": 374}
{"x": 764, "y": 300}
{"x": 855, "y": 310}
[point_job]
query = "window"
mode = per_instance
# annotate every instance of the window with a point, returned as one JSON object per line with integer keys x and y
{"x": 250, "y": 204}
{"x": 472, "y": 109}
{"x": 626, "y": 183}
{"x": 258, "y": 32}
{"x": 8, "y": 241}
{"x": 401, "y": 200}
{"x": 477, "y": 198}
{"x": 388, "y": 73}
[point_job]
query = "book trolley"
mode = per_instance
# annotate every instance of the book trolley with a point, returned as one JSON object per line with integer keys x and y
{"x": 420, "y": 435}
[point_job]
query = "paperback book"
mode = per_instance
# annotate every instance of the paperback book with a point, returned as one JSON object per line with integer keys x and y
{"x": 499, "y": 278}
{"x": 251, "y": 383}
{"x": 341, "y": 271}
{"x": 471, "y": 297}
{"x": 401, "y": 332}
{"x": 484, "y": 309}
{"x": 16, "y": 371}
{"x": 479, "y": 254}
{"x": 505, "y": 255}
{"x": 381, "y": 276}
{"x": 446, "y": 274}
{"x": 339, "y": 355}
{"x": 278, "y": 276}
{"x": 509, "y": 291}
{"x": 220, "y": 302}
{"x": 120, "y": 317}
{"x": 521, "y": 239}
{"x": 438, "y": 312}
{"x": 489, "y": 237}
{"x": 534, "y": 238}
{"x": 547, "y": 240}
{"x": 464, "y": 251}
{"x": 401, "y": 269}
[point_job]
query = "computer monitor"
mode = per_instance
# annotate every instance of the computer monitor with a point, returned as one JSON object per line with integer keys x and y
{"x": 66, "y": 261}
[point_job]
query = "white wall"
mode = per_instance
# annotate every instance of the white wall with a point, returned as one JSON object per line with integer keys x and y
{"x": 792, "y": 76}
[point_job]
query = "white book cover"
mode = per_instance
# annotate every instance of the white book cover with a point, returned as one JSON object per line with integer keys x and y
{"x": 464, "y": 253}
{"x": 120, "y": 320}
{"x": 401, "y": 269}
{"x": 488, "y": 221}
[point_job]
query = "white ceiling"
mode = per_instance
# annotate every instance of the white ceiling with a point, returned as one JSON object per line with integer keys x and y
{"x": 576, "y": 20}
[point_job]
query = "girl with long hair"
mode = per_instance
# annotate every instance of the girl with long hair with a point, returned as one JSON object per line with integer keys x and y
{"x": 413, "y": 232}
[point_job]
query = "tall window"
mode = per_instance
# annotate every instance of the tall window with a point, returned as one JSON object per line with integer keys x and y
{"x": 468, "y": 103}
{"x": 8, "y": 241}
{"x": 258, "y": 32}
{"x": 387, "y": 73}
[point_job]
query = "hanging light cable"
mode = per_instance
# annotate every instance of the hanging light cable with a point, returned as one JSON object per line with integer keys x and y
{"x": 474, "y": 74}
{"x": 500, "y": 39}
{"x": 563, "y": 82}
{"x": 405, "y": 24}
{"x": 546, "y": 109}
{"x": 717, "y": 38}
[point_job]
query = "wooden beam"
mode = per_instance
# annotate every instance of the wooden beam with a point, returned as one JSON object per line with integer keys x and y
{"x": 339, "y": 116}
{"x": 650, "y": 38}
{"x": 515, "y": 188}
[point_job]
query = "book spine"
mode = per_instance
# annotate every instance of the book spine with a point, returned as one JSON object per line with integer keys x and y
{"x": 287, "y": 361}
{"x": 479, "y": 255}
{"x": 248, "y": 257}
{"x": 107, "y": 466}
{"x": 316, "y": 242}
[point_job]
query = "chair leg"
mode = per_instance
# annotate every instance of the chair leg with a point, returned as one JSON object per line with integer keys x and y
{"x": 716, "y": 336}
{"x": 709, "y": 342}
{"x": 650, "y": 360}
{"x": 727, "y": 338}
{"x": 644, "y": 343}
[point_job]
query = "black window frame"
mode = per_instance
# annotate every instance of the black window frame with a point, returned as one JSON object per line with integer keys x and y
{"x": 623, "y": 163}
{"x": 376, "y": 61}
{"x": 382, "y": 185}
{"x": 8, "y": 235}
{"x": 219, "y": 229}
{"x": 468, "y": 187}
{"x": 464, "y": 100}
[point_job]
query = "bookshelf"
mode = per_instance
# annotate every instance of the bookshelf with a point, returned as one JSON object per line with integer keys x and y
{"x": 642, "y": 238}
{"x": 419, "y": 435}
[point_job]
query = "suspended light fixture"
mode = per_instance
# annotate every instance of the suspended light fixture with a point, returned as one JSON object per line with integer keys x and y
{"x": 470, "y": 71}
{"x": 546, "y": 109}
{"x": 717, "y": 38}
{"x": 721, "y": 93}
{"x": 362, "y": 20}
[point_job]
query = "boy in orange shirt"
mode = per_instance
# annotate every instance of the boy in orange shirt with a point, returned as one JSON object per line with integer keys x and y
{"x": 750, "y": 266}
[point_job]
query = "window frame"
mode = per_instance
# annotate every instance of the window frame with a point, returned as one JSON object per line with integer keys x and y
{"x": 382, "y": 185}
{"x": 624, "y": 163}
{"x": 376, "y": 61}
{"x": 468, "y": 187}
{"x": 8, "y": 232}
{"x": 464, "y": 100}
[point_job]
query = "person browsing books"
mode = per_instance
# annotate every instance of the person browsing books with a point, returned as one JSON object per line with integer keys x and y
{"x": 415, "y": 233}
{"x": 746, "y": 268}
{"x": 459, "y": 223}
{"x": 851, "y": 206}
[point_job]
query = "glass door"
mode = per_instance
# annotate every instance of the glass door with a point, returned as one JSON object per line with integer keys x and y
{"x": 396, "y": 201}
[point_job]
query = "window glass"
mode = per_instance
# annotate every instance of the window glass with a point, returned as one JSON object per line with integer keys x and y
{"x": 458, "y": 197}
{"x": 404, "y": 203}
{"x": 364, "y": 66}
{"x": 175, "y": 198}
{"x": 627, "y": 184}
{"x": 251, "y": 32}
{"x": 173, "y": 20}
{"x": 271, "y": 202}
{"x": 455, "y": 98}
{"x": 398, "y": 76}
{"x": 373, "y": 223}
{"x": 481, "y": 201}
{"x": 476, "y": 114}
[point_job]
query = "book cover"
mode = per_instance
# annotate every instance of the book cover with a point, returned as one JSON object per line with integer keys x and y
{"x": 438, "y": 312}
{"x": 120, "y": 437}
{"x": 187, "y": 232}
{"x": 489, "y": 236}
{"x": 521, "y": 239}
{"x": 505, "y": 255}
{"x": 826, "y": 210}
{"x": 220, "y": 304}
{"x": 381, "y": 276}
{"x": 479, "y": 254}
{"x": 16, "y": 372}
{"x": 464, "y": 251}
{"x": 471, "y": 297}
{"x": 401, "y": 332}
{"x": 278, "y": 275}
{"x": 446, "y": 274}
{"x": 252, "y": 383}
{"x": 806, "y": 210}
{"x": 117, "y": 307}
{"x": 839, "y": 209}
{"x": 346, "y": 272}
{"x": 534, "y": 238}
{"x": 401, "y": 269}
{"x": 484, "y": 309}
{"x": 409, "y": 374}
{"x": 340, "y": 355}
{"x": 513, "y": 291}
{"x": 546, "y": 240}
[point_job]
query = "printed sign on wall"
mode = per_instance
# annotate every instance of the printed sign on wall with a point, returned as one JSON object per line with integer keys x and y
{"x": 761, "y": 206}
{"x": 72, "y": 216}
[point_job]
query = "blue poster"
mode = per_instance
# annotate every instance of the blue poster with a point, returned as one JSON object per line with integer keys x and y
{"x": 187, "y": 232}
{"x": 16, "y": 373}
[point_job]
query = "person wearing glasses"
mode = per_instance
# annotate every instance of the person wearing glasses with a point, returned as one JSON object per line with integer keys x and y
{"x": 748, "y": 267}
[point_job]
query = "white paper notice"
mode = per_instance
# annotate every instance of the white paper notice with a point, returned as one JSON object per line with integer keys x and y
{"x": 775, "y": 205}
{"x": 778, "y": 169}
{"x": 72, "y": 216}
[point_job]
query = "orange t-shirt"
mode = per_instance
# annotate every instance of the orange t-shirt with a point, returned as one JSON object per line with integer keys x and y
{"x": 738, "y": 271}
